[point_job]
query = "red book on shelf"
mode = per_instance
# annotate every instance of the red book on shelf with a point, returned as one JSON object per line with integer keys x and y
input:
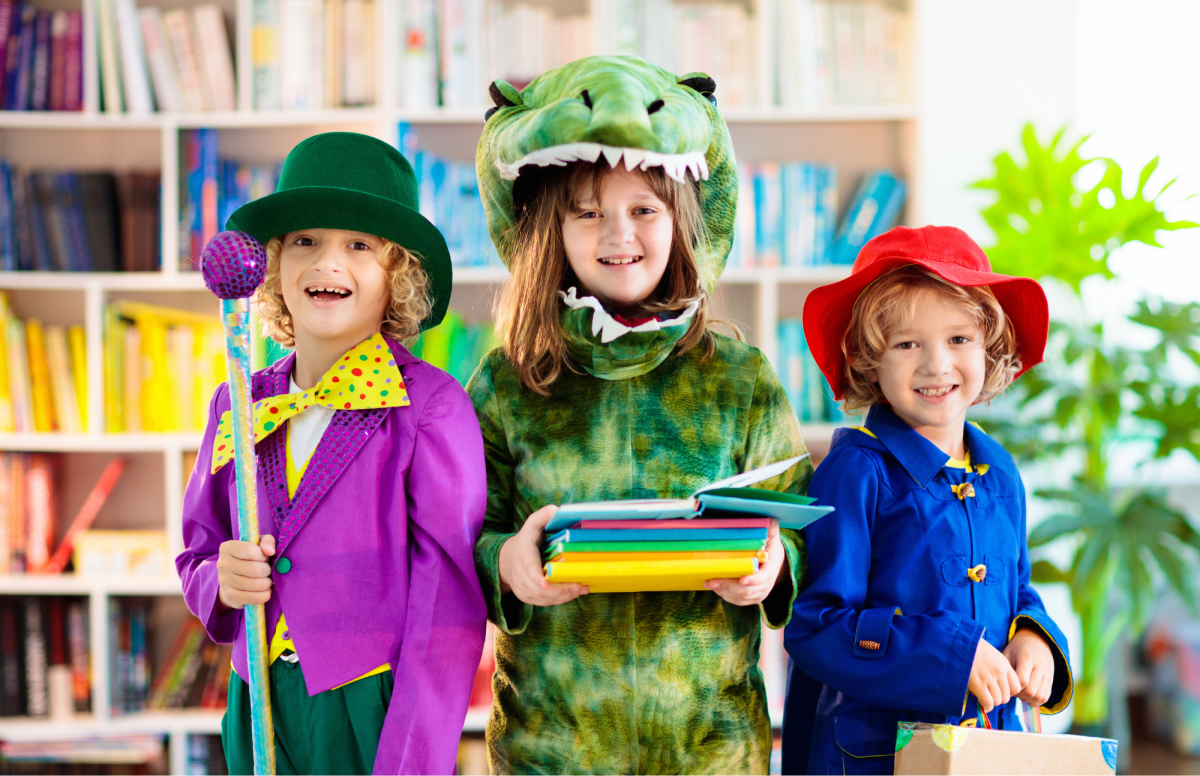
{"x": 83, "y": 520}
{"x": 39, "y": 509}
{"x": 73, "y": 62}
{"x": 58, "y": 60}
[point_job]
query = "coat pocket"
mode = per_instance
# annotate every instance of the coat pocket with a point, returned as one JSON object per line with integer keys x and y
{"x": 866, "y": 735}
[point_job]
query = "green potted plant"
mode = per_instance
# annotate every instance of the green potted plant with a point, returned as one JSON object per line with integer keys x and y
{"x": 1094, "y": 392}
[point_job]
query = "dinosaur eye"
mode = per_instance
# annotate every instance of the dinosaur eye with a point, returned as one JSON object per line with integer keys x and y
{"x": 587, "y": 99}
{"x": 488, "y": 114}
{"x": 703, "y": 84}
{"x": 655, "y": 106}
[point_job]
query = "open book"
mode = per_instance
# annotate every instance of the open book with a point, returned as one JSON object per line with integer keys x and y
{"x": 726, "y": 498}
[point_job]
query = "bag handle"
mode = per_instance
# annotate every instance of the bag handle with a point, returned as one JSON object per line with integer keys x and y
{"x": 1033, "y": 718}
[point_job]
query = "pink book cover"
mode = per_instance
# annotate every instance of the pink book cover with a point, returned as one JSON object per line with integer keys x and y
{"x": 73, "y": 62}
{"x": 699, "y": 522}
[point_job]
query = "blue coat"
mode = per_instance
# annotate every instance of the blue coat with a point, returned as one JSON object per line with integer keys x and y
{"x": 886, "y": 627}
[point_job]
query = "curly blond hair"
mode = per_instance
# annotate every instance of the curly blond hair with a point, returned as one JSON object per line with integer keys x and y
{"x": 888, "y": 305}
{"x": 409, "y": 306}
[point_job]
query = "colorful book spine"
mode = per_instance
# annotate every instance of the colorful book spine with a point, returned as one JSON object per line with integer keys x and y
{"x": 73, "y": 62}
{"x": 39, "y": 377}
{"x": 659, "y": 575}
{"x": 875, "y": 209}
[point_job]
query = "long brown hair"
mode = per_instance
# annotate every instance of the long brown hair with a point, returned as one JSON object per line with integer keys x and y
{"x": 529, "y": 312}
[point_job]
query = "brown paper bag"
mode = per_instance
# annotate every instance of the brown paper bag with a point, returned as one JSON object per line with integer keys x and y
{"x": 946, "y": 749}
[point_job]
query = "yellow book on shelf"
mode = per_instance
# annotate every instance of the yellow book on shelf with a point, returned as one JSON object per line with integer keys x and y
{"x": 605, "y": 557}
{"x": 181, "y": 361}
{"x": 114, "y": 373}
{"x": 156, "y": 384}
{"x": 62, "y": 387}
{"x": 18, "y": 375}
{"x": 39, "y": 376}
{"x": 131, "y": 380}
{"x": 77, "y": 352}
{"x": 6, "y": 404}
{"x": 650, "y": 576}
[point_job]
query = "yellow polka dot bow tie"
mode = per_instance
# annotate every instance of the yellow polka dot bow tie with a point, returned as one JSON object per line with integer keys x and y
{"x": 365, "y": 378}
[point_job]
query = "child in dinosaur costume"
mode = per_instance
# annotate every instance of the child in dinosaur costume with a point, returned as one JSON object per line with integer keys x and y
{"x": 610, "y": 191}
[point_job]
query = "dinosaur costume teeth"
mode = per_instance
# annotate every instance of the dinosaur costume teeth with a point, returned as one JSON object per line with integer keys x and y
{"x": 621, "y": 109}
{"x": 675, "y": 165}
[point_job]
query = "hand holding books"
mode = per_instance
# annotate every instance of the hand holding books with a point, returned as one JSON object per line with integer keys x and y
{"x": 521, "y": 565}
{"x": 754, "y": 588}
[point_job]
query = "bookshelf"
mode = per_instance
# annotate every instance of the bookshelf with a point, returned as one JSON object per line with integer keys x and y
{"x": 856, "y": 138}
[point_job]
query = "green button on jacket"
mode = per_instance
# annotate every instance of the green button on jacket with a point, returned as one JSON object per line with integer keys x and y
{"x": 283, "y": 565}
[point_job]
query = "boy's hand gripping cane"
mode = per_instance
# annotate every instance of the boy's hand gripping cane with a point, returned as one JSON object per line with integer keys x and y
{"x": 233, "y": 265}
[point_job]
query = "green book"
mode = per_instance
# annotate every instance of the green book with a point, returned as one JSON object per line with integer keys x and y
{"x": 694, "y": 546}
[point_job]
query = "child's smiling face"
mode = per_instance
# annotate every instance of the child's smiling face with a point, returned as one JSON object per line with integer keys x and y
{"x": 333, "y": 284}
{"x": 619, "y": 246}
{"x": 933, "y": 370}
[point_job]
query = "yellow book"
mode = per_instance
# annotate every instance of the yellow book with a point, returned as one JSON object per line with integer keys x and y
{"x": 6, "y": 404}
{"x": 641, "y": 576}
{"x": 62, "y": 387}
{"x": 39, "y": 376}
{"x": 114, "y": 373}
{"x": 156, "y": 385}
{"x": 604, "y": 557}
{"x": 77, "y": 351}
{"x": 131, "y": 382}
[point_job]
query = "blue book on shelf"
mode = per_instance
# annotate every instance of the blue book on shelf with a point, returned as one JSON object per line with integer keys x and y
{"x": 39, "y": 76}
{"x": 189, "y": 214}
{"x": 42, "y": 258}
{"x": 792, "y": 201}
{"x": 655, "y": 534}
{"x": 71, "y": 198}
{"x": 874, "y": 210}
{"x": 22, "y": 66}
{"x": 826, "y": 212}
{"x": 790, "y": 371}
{"x": 8, "y": 221}
{"x": 768, "y": 203}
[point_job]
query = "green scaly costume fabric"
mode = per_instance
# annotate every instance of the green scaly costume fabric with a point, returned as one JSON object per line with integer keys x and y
{"x": 632, "y": 682}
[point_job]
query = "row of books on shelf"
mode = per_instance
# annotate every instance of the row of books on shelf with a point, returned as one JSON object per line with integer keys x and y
{"x": 44, "y": 657}
{"x": 161, "y": 367}
{"x": 802, "y": 380}
{"x": 816, "y": 52}
{"x": 311, "y": 54}
{"x": 41, "y": 58}
{"x": 211, "y": 188}
{"x": 120, "y": 753}
{"x": 195, "y": 673}
{"x": 43, "y": 375}
{"x": 787, "y": 213}
{"x": 175, "y": 59}
{"x": 78, "y": 221}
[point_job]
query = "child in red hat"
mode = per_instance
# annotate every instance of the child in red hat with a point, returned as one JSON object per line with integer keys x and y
{"x": 917, "y": 605}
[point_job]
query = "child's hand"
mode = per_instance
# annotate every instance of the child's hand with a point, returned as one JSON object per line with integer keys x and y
{"x": 521, "y": 565}
{"x": 754, "y": 588}
{"x": 993, "y": 681}
{"x": 244, "y": 573}
{"x": 1033, "y": 662}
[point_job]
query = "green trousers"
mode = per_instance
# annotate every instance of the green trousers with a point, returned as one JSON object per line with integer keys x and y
{"x": 336, "y": 731}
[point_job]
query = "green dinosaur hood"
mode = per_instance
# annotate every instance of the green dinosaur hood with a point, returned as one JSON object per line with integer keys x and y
{"x": 626, "y": 109}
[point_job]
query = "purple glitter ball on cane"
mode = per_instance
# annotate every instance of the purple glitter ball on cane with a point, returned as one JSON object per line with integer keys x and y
{"x": 233, "y": 264}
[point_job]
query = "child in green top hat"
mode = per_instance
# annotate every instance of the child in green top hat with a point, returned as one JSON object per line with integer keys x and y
{"x": 371, "y": 480}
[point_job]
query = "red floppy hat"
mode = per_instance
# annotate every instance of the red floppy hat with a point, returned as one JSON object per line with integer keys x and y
{"x": 947, "y": 252}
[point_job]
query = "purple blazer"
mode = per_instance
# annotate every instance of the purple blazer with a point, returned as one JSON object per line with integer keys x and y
{"x": 381, "y": 536}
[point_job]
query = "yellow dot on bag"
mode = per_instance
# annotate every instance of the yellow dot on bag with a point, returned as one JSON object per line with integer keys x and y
{"x": 271, "y": 412}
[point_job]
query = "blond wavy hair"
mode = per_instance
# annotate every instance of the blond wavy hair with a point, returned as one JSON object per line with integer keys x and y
{"x": 890, "y": 303}
{"x": 409, "y": 303}
{"x": 529, "y": 311}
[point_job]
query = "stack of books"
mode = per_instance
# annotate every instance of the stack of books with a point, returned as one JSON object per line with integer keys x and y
{"x": 41, "y": 58}
{"x": 648, "y": 545}
{"x": 195, "y": 673}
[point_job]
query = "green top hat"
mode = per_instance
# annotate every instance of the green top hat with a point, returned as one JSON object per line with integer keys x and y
{"x": 344, "y": 180}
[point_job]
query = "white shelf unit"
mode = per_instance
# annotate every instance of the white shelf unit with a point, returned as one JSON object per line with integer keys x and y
{"x": 855, "y": 138}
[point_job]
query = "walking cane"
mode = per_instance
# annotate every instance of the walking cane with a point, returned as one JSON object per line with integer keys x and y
{"x": 233, "y": 265}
